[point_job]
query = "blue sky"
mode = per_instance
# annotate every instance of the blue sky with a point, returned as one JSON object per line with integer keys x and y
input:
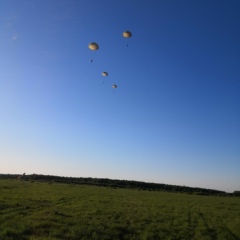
{"x": 175, "y": 116}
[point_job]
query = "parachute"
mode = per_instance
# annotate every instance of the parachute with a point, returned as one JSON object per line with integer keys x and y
{"x": 127, "y": 34}
{"x": 104, "y": 74}
{"x": 93, "y": 46}
{"x": 114, "y": 86}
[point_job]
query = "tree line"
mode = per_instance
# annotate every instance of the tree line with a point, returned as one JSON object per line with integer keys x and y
{"x": 117, "y": 184}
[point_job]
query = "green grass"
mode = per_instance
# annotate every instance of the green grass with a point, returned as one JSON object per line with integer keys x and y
{"x": 34, "y": 210}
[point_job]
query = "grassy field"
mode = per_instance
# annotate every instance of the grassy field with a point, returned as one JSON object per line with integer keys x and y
{"x": 35, "y": 210}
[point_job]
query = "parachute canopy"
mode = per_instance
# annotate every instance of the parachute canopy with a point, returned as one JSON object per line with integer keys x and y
{"x": 127, "y": 34}
{"x": 93, "y": 46}
{"x": 105, "y": 74}
{"x": 114, "y": 86}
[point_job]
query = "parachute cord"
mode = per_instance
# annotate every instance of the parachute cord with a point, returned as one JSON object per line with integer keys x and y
{"x": 92, "y": 57}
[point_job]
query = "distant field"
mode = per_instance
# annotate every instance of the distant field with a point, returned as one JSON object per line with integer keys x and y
{"x": 34, "y": 210}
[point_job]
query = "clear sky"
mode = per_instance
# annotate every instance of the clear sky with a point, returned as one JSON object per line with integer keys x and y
{"x": 175, "y": 116}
